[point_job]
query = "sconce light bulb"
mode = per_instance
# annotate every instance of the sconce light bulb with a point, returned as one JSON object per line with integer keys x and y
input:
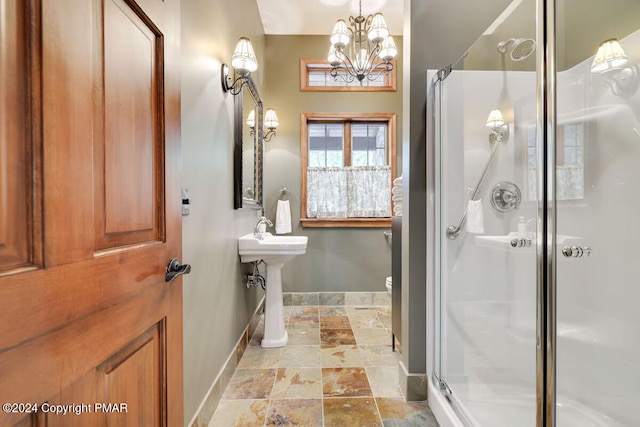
{"x": 244, "y": 58}
{"x": 251, "y": 119}
{"x": 271, "y": 119}
{"x": 495, "y": 119}
{"x": 610, "y": 56}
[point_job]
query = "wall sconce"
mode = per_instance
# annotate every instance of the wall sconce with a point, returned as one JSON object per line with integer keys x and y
{"x": 251, "y": 121}
{"x": 244, "y": 63}
{"x": 499, "y": 129}
{"x": 271, "y": 123}
{"x": 611, "y": 61}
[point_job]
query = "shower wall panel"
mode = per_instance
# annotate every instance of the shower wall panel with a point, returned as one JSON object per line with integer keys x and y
{"x": 598, "y": 335}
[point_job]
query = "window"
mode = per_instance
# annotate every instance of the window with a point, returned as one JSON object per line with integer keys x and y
{"x": 315, "y": 76}
{"x": 569, "y": 162}
{"x": 348, "y": 164}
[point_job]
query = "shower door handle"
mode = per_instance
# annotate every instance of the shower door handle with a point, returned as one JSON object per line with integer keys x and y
{"x": 521, "y": 243}
{"x": 576, "y": 251}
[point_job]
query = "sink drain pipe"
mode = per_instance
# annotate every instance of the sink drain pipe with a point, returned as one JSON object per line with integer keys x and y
{"x": 255, "y": 278}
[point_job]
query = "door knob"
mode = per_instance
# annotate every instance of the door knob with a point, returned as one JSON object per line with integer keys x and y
{"x": 175, "y": 269}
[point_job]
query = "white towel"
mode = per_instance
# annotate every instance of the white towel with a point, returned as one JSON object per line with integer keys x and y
{"x": 283, "y": 217}
{"x": 397, "y": 208}
{"x": 475, "y": 222}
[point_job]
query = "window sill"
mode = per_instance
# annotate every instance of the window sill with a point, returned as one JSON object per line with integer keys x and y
{"x": 346, "y": 222}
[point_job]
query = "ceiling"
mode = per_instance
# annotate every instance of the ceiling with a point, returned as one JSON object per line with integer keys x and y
{"x": 319, "y": 16}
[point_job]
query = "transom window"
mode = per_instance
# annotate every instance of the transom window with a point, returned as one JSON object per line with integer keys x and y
{"x": 348, "y": 164}
{"x": 315, "y": 76}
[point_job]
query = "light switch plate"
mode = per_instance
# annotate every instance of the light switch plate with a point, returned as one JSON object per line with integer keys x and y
{"x": 186, "y": 202}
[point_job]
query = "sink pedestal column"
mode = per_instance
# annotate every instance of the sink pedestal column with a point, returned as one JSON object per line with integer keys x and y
{"x": 274, "y": 333}
{"x": 275, "y": 251}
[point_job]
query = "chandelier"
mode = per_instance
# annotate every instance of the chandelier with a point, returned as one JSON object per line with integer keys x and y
{"x": 363, "y": 49}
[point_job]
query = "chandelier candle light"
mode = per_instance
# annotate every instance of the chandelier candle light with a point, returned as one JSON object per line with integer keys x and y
{"x": 364, "y": 49}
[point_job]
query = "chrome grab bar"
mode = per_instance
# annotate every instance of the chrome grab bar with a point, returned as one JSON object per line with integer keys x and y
{"x": 454, "y": 232}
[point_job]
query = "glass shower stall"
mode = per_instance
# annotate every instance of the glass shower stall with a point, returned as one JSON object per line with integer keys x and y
{"x": 535, "y": 164}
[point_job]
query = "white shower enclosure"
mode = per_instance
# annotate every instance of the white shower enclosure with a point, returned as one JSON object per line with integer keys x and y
{"x": 535, "y": 298}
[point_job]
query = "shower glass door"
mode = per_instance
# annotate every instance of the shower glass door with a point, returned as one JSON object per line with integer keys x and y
{"x": 598, "y": 213}
{"x": 486, "y": 226}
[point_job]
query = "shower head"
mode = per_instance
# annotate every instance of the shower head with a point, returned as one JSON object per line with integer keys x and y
{"x": 520, "y": 48}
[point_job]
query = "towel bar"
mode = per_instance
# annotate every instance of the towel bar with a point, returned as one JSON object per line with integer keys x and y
{"x": 284, "y": 192}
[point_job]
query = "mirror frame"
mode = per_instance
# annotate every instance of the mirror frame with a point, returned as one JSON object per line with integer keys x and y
{"x": 239, "y": 202}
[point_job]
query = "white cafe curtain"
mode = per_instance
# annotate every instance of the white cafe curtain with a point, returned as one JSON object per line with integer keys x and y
{"x": 349, "y": 192}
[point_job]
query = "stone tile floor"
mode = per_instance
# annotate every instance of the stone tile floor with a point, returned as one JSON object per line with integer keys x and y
{"x": 338, "y": 370}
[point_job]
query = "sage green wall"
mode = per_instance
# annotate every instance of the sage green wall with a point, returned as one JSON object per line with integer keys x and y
{"x": 217, "y": 305}
{"x": 337, "y": 259}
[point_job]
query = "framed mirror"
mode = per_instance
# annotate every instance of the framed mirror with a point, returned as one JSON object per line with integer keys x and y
{"x": 248, "y": 152}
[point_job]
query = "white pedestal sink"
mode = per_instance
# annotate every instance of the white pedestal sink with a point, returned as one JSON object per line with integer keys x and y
{"x": 275, "y": 251}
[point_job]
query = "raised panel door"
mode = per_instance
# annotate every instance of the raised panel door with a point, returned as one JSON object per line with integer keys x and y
{"x": 86, "y": 316}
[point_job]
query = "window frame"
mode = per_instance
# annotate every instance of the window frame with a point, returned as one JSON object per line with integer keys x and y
{"x": 305, "y": 119}
{"x": 305, "y": 87}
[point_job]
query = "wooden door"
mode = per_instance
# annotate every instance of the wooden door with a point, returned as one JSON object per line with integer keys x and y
{"x": 90, "y": 213}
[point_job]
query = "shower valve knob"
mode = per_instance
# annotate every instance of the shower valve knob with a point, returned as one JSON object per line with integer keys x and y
{"x": 567, "y": 251}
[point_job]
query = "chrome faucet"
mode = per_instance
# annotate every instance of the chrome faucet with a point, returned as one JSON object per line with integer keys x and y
{"x": 256, "y": 232}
